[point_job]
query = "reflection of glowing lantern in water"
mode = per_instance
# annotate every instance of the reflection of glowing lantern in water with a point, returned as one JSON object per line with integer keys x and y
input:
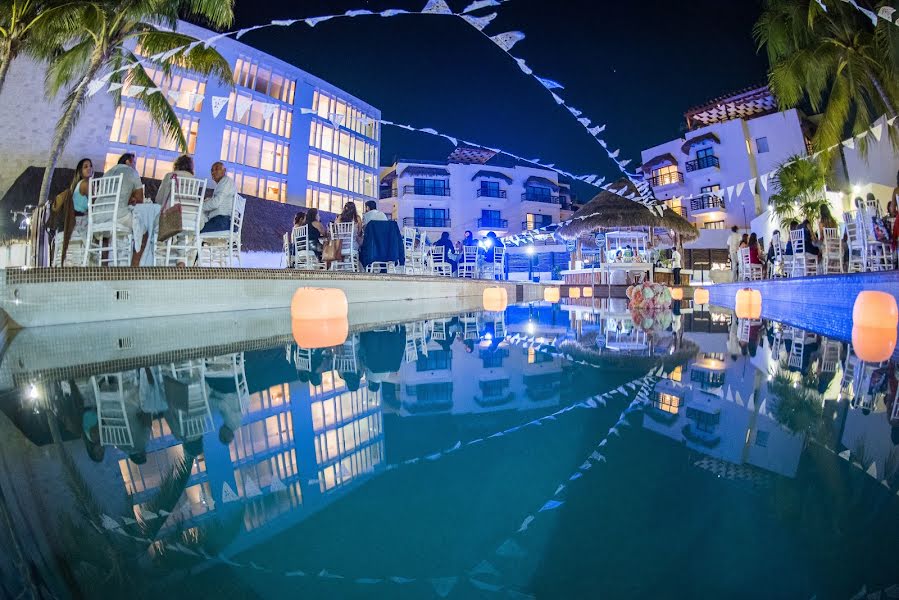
{"x": 677, "y": 293}
{"x": 874, "y": 320}
{"x": 320, "y": 333}
{"x": 496, "y": 299}
{"x": 551, "y": 294}
{"x": 588, "y": 292}
{"x": 748, "y": 304}
{"x": 701, "y": 296}
{"x": 574, "y": 293}
{"x": 318, "y": 303}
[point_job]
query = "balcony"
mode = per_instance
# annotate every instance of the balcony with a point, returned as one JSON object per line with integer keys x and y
{"x": 666, "y": 179}
{"x": 525, "y": 226}
{"x": 703, "y": 162}
{"x": 542, "y": 198}
{"x": 387, "y": 193}
{"x": 426, "y": 191}
{"x": 706, "y": 202}
{"x": 487, "y": 193}
{"x": 681, "y": 210}
{"x": 490, "y": 223}
{"x": 427, "y": 222}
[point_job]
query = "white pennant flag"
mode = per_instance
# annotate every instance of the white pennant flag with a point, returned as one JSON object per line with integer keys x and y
{"x": 595, "y": 131}
{"x": 752, "y": 188}
{"x": 313, "y": 21}
{"x": 309, "y": 111}
{"x": 136, "y": 90}
{"x": 284, "y": 22}
{"x": 175, "y": 96}
{"x": 358, "y": 13}
{"x": 241, "y": 106}
{"x": 740, "y": 187}
{"x": 524, "y": 67}
{"x": 393, "y": 12}
{"x": 479, "y": 23}
{"x": 550, "y": 84}
{"x": 276, "y": 485}
{"x": 210, "y": 41}
{"x": 891, "y": 121}
{"x": 861, "y": 135}
{"x": 507, "y": 40}
{"x": 602, "y": 143}
{"x": 624, "y": 163}
{"x": 241, "y": 33}
{"x": 557, "y": 98}
{"x": 615, "y": 153}
{"x": 765, "y": 181}
{"x": 877, "y": 130}
{"x": 584, "y": 121}
{"x": 574, "y": 111}
{"x": 95, "y": 86}
{"x": 436, "y": 7}
{"x": 886, "y": 13}
{"x": 452, "y": 140}
{"x": 114, "y": 87}
{"x": 268, "y": 109}
{"x": 218, "y": 103}
{"x": 730, "y": 192}
{"x": 228, "y": 494}
{"x": 850, "y": 143}
{"x": 867, "y": 13}
{"x": 479, "y": 4}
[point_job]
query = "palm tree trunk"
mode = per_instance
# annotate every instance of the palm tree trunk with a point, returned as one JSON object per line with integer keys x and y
{"x": 6, "y": 56}
{"x": 66, "y": 124}
{"x": 891, "y": 110}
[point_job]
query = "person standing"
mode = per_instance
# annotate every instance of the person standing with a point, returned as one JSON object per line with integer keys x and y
{"x": 217, "y": 210}
{"x": 676, "y": 265}
{"x": 733, "y": 249}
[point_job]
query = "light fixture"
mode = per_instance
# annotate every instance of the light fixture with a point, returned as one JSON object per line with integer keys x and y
{"x": 588, "y": 292}
{"x": 677, "y": 293}
{"x": 873, "y": 344}
{"x": 530, "y": 251}
{"x": 551, "y": 294}
{"x": 875, "y": 309}
{"x": 530, "y": 328}
{"x": 320, "y": 333}
{"x": 701, "y": 296}
{"x": 748, "y": 304}
{"x": 495, "y": 299}
{"x": 574, "y": 293}
{"x": 317, "y": 304}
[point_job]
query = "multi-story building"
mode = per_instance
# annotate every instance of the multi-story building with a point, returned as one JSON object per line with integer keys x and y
{"x": 321, "y": 158}
{"x": 729, "y": 141}
{"x": 472, "y": 190}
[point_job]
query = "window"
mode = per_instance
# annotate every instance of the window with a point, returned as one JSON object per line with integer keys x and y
{"x": 342, "y": 143}
{"x": 267, "y": 187}
{"x": 490, "y": 218}
{"x": 134, "y": 126}
{"x": 668, "y": 403}
{"x": 355, "y": 119}
{"x": 490, "y": 189}
{"x": 241, "y": 147}
{"x": 492, "y": 389}
{"x": 492, "y": 360}
{"x": 330, "y": 201}
{"x": 262, "y": 79}
{"x": 431, "y": 217}
{"x": 341, "y": 174}
{"x": 538, "y": 194}
{"x": 666, "y": 175}
{"x": 707, "y": 378}
{"x": 432, "y": 393}
{"x": 436, "y": 360}
{"x": 279, "y": 122}
{"x": 761, "y": 145}
{"x": 713, "y": 225}
{"x": 708, "y": 189}
{"x": 536, "y": 221}
{"x": 761, "y": 439}
{"x": 704, "y": 152}
{"x": 705, "y": 422}
{"x": 431, "y": 187}
{"x": 190, "y": 90}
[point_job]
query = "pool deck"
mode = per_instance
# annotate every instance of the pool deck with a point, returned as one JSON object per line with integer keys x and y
{"x": 55, "y": 296}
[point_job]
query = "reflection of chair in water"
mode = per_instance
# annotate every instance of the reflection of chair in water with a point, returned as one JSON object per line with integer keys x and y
{"x": 470, "y": 326}
{"x": 499, "y": 327}
{"x": 109, "y": 391}
{"x": 797, "y": 349}
{"x": 345, "y": 357}
{"x": 830, "y": 356}
{"x": 439, "y": 331}
{"x": 196, "y": 420}
{"x": 227, "y": 366}
{"x": 302, "y": 359}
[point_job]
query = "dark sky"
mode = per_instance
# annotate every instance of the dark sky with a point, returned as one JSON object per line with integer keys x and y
{"x": 636, "y": 66}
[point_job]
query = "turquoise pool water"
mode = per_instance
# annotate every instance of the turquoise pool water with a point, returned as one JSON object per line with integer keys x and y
{"x": 550, "y": 451}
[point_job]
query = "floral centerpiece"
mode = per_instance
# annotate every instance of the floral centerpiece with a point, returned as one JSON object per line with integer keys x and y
{"x": 650, "y": 306}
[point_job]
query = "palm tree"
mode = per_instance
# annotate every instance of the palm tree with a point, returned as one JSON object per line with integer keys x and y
{"x": 834, "y": 60}
{"x": 110, "y": 36}
{"x": 798, "y": 190}
{"x": 34, "y": 27}
{"x": 798, "y": 405}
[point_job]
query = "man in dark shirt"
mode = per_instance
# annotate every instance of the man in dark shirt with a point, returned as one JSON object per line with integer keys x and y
{"x": 448, "y": 249}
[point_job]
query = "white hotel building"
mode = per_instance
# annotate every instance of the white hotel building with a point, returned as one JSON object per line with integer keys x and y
{"x": 312, "y": 160}
{"x": 473, "y": 190}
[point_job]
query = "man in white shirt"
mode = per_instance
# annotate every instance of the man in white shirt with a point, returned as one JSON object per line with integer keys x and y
{"x": 372, "y": 213}
{"x": 131, "y": 193}
{"x": 733, "y": 248}
{"x": 676, "y": 265}
{"x": 217, "y": 210}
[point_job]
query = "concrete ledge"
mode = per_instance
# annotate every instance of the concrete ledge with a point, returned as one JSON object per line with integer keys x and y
{"x": 41, "y": 297}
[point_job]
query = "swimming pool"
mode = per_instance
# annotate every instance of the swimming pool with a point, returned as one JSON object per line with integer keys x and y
{"x": 551, "y": 450}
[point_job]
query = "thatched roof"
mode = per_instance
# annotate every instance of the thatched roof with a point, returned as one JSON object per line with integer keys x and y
{"x": 579, "y": 350}
{"x": 542, "y": 181}
{"x": 493, "y": 175}
{"x": 265, "y": 221}
{"x": 611, "y": 211}
{"x": 425, "y": 171}
{"x": 658, "y": 160}
{"x": 705, "y": 137}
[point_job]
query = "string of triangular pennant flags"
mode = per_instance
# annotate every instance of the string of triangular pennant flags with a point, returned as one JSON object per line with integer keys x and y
{"x": 885, "y": 13}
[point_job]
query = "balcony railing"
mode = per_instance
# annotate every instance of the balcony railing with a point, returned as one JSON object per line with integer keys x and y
{"x": 681, "y": 210}
{"x": 488, "y": 193}
{"x": 666, "y": 179}
{"x": 546, "y": 199}
{"x": 436, "y": 222}
{"x": 426, "y": 191}
{"x": 525, "y": 226}
{"x": 703, "y": 162}
{"x": 387, "y": 193}
{"x": 706, "y": 202}
{"x": 489, "y": 223}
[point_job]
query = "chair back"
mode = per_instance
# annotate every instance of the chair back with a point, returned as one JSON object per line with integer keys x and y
{"x": 300, "y": 237}
{"x": 103, "y": 203}
{"x": 499, "y": 255}
{"x": 469, "y": 254}
{"x": 831, "y": 239}
{"x": 237, "y": 211}
{"x": 346, "y": 233}
{"x": 744, "y": 258}
{"x": 797, "y": 241}
{"x": 189, "y": 192}
{"x": 409, "y": 235}
{"x": 437, "y": 255}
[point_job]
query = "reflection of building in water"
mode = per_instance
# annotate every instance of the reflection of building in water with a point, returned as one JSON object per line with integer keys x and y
{"x": 497, "y": 375}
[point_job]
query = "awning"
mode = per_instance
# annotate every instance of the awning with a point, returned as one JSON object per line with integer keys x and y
{"x": 426, "y": 171}
{"x": 493, "y": 175}
{"x": 543, "y": 181}
{"x": 658, "y": 160}
{"x": 705, "y": 137}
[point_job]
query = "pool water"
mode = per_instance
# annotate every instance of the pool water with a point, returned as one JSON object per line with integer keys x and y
{"x": 550, "y": 451}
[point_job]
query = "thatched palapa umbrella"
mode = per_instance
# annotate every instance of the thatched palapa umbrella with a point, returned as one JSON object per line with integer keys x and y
{"x": 608, "y": 210}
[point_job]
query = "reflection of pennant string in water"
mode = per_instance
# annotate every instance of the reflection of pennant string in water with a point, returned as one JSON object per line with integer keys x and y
{"x": 484, "y": 568}
{"x": 277, "y": 485}
{"x": 551, "y": 505}
{"x": 251, "y": 488}
{"x": 524, "y": 524}
{"x": 511, "y": 549}
{"x": 443, "y": 585}
{"x": 228, "y": 494}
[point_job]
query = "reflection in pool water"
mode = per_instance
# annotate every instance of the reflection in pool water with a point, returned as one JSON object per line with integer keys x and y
{"x": 523, "y": 452}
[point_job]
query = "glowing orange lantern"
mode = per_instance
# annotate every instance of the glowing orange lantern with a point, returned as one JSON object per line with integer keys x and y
{"x": 574, "y": 293}
{"x": 320, "y": 333}
{"x": 748, "y": 304}
{"x": 873, "y": 344}
{"x": 551, "y": 294}
{"x": 588, "y": 292}
{"x": 677, "y": 293}
{"x": 496, "y": 299}
{"x": 319, "y": 304}
{"x": 700, "y": 296}
{"x": 876, "y": 310}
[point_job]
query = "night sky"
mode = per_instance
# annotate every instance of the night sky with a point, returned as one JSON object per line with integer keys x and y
{"x": 635, "y": 66}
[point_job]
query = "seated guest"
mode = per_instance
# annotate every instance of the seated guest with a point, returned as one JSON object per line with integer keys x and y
{"x": 774, "y": 246}
{"x": 372, "y": 213}
{"x": 182, "y": 167}
{"x": 299, "y": 220}
{"x": 754, "y": 250}
{"x": 351, "y": 215}
{"x": 131, "y": 193}
{"x": 217, "y": 210}
{"x": 448, "y": 249}
{"x": 810, "y": 247}
{"x": 72, "y": 209}
{"x": 317, "y": 232}
{"x": 491, "y": 242}
{"x": 794, "y": 225}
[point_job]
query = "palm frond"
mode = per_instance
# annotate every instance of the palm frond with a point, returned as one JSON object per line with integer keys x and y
{"x": 215, "y": 13}
{"x": 206, "y": 61}
{"x": 161, "y": 112}
{"x": 68, "y": 66}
